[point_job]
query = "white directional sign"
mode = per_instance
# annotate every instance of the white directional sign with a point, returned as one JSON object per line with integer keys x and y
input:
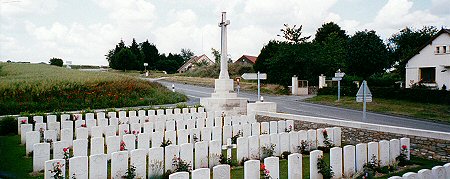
{"x": 336, "y": 79}
{"x": 364, "y": 89}
{"x": 254, "y": 76}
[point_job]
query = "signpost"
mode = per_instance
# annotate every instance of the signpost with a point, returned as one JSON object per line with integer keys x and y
{"x": 338, "y": 77}
{"x": 364, "y": 95}
{"x": 255, "y": 76}
{"x": 145, "y": 66}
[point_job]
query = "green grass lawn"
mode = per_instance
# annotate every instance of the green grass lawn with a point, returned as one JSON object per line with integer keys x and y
{"x": 433, "y": 112}
{"x": 14, "y": 164}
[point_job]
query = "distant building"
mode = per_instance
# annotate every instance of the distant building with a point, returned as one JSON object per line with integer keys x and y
{"x": 431, "y": 65}
{"x": 194, "y": 62}
{"x": 246, "y": 59}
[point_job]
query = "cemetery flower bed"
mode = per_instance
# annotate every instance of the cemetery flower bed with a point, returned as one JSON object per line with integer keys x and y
{"x": 44, "y": 88}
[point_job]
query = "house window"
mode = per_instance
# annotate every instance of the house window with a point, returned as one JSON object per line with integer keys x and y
{"x": 444, "y": 49}
{"x": 437, "y": 50}
{"x": 428, "y": 75}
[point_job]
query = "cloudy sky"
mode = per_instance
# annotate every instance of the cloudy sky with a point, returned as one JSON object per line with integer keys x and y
{"x": 82, "y": 31}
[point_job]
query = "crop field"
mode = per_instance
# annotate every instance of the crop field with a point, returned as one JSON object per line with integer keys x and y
{"x": 45, "y": 88}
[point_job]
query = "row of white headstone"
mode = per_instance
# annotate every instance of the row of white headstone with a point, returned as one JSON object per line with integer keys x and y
{"x": 159, "y": 159}
{"x": 219, "y": 172}
{"x": 253, "y": 147}
{"x": 176, "y": 137}
{"x": 437, "y": 172}
{"x": 348, "y": 161}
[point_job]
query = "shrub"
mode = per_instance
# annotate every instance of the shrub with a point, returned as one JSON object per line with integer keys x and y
{"x": 8, "y": 126}
{"x": 324, "y": 168}
{"x": 56, "y": 61}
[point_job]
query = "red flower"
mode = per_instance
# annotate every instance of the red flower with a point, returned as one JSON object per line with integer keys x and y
{"x": 23, "y": 121}
{"x": 122, "y": 148}
{"x": 126, "y": 131}
{"x": 65, "y": 150}
{"x": 324, "y": 132}
{"x": 262, "y": 167}
{"x": 122, "y": 143}
{"x": 404, "y": 147}
{"x": 134, "y": 132}
{"x": 83, "y": 125}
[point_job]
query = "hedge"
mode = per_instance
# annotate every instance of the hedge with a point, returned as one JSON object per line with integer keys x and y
{"x": 407, "y": 94}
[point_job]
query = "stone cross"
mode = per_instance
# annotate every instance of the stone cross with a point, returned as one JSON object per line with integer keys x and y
{"x": 223, "y": 54}
{"x": 228, "y": 147}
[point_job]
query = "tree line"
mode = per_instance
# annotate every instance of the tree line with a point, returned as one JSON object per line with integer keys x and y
{"x": 363, "y": 55}
{"x": 134, "y": 56}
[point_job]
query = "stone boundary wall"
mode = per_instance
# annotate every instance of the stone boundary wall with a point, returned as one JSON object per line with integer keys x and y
{"x": 424, "y": 143}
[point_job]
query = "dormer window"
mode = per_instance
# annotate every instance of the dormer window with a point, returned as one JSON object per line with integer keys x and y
{"x": 442, "y": 49}
{"x": 437, "y": 50}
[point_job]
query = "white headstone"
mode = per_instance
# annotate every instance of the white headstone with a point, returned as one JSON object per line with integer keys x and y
{"x": 264, "y": 142}
{"x": 130, "y": 142}
{"x": 119, "y": 164}
{"x": 209, "y": 122}
{"x": 124, "y": 129}
{"x": 181, "y": 124}
{"x": 97, "y": 131}
{"x": 112, "y": 145}
{"x": 187, "y": 153}
{"x": 410, "y": 175}
{"x": 80, "y": 147}
{"x": 97, "y": 145}
{"x": 215, "y": 150}
{"x": 143, "y": 141}
{"x": 253, "y": 147}
{"x": 256, "y": 129}
{"x": 246, "y": 130}
{"x": 114, "y": 121}
{"x": 151, "y": 112}
{"x": 41, "y": 153}
{"x": 171, "y": 152}
{"x": 65, "y": 117}
{"x": 265, "y": 127}
{"x": 51, "y": 118}
{"x": 273, "y": 165}
{"x": 295, "y": 169}
{"x": 447, "y": 170}
{"x": 293, "y": 141}
{"x": 20, "y": 121}
{"x": 101, "y": 115}
{"x": 52, "y": 165}
{"x": 171, "y": 136}
{"x": 336, "y": 161}
{"x": 273, "y": 127}
{"x": 394, "y": 150}
{"x": 56, "y": 126}
{"x": 284, "y": 142}
{"x": 170, "y": 125}
{"x": 67, "y": 135}
{"x": 112, "y": 115}
{"x": 79, "y": 123}
{"x": 98, "y": 166}
{"x": 349, "y": 161}
{"x": 312, "y": 139}
{"x": 217, "y": 133}
{"x": 406, "y": 142}
{"x": 320, "y": 137}
{"x": 81, "y": 133}
{"x": 251, "y": 169}
{"x": 384, "y": 153}
{"x": 372, "y": 151}
{"x": 40, "y": 126}
{"x": 160, "y": 125}
{"x": 313, "y": 160}
{"x": 281, "y": 126}
{"x": 242, "y": 149}
{"x": 227, "y": 134}
{"x": 78, "y": 167}
{"x": 237, "y": 129}
{"x": 200, "y": 123}
{"x": 110, "y": 131}
{"x": 438, "y": 172}
{"x": 424, "y": 174}
{"x": 148, "y": 127}
{"x": 25, "y": 128}
{"x": 155, "y": 162}
{"x": 32, "y": 137}
{"x": 227, "y": 121}
{"x": 90, "y": 123}
{"x": 58, "y": 149}
{"x": 135, "y": 128}
{"x": 67, "y": 125}
{"x": 157, "y": 139}
{"x": 38, "y": 119}
{"x": 139, "y": 160}
{"x": 290, "y": 125}
{"x": 194, "y": 135}
{"x": 274, "y": 140}
{"x": 201, "y": 154}
{"x": 203, "y": 173}
{"x": 206, "y": 134}
{"x": 222, "y": 172}
{"x": 122, "y": 114}
{"x": 361, "y": 156}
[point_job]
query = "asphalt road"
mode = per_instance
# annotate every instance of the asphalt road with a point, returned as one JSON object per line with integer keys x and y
{"x": 295, "y": 105}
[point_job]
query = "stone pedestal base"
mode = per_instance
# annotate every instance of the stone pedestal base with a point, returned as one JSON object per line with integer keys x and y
{"x": 230, "y": 106}
{"x": 223, "y": 86}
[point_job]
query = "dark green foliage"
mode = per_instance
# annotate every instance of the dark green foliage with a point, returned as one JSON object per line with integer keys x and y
{"x": 8, "y": 126}
{"x": 367, "y": 54}
{"x": 293, "y": 34}
{"x": 131, "y": 172}
{"x": 404, "y": 44}
{"x": 327, "y": 30}
{"x": 134, "y": 57}
{"x": 216, "y": 55}
{"x": 186, "y": 54}
{"x": 181, "y": 165}
{"x": 56, "y": 61}
{"x": 324, "y": 168}
{"x": 409, "y": 94}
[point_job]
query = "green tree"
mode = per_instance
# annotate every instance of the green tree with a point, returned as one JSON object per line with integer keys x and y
{"x": 56, "y": 61}
{"x": 125, "y": 59}
{"x": 327, "y": 30}
{"x": 367, "y": 54}
{"x": 186, "y": 54}
{"x": 137, "y": 62}
{"x": 330, "y": 55}
{"x": 216, "y": 55}
{"x": 404, "y": 44}
{"x": 293, "y": 34}
{"x": 150, "y": 54}
{"x": 267, "y": 52}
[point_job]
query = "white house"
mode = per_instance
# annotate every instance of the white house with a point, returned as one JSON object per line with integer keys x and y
{"x": 431, "y": 65}
{"x": 191, "y": 63}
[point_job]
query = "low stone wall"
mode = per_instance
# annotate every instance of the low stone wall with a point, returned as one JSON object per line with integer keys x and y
{"x": 425, "y": 144}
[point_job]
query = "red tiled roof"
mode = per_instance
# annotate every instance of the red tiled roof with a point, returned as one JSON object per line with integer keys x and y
{"x": 251, "y": 58}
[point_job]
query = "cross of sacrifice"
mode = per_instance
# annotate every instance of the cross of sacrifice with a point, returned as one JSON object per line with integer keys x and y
{"x": 228, "y": 147}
